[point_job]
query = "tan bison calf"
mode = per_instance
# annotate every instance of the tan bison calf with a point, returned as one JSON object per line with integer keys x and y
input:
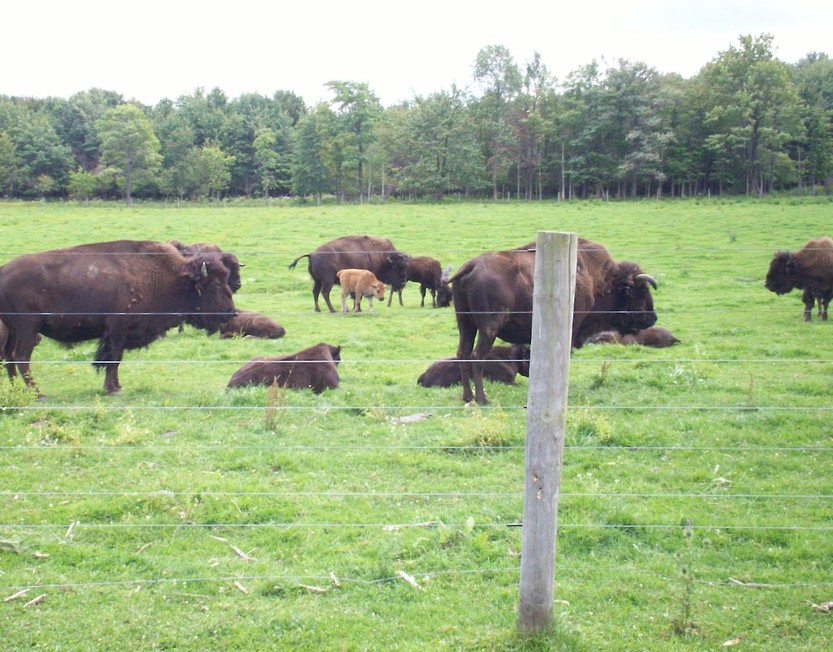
{"x": 313, "y": 368}
{"x": 360, "y": 283}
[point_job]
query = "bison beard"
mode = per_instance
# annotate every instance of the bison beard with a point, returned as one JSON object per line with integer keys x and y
{"x": 492, "y": 296}
{"x": 125, "y": 293}
{"x": 377, "y": 255}
{"x": 314, "y": 368}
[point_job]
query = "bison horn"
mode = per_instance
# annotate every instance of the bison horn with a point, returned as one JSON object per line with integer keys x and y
{"x": 204, "y": 271}
{"x": 648, "y": 279}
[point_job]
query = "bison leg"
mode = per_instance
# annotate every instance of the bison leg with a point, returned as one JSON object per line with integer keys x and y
{"x": 18, "y": 353}
{"x": 109, "y": 355}
{"x": 392, "y": 292}
{"x": 325, "y": 288}
{"x": 809, "y": 303}
{"x": 344, "y": 293}
{"x": 824, "y": 301}
{"x": 464, "y": 354}
{"x": 485, "y": 341}
{"x": 422, "y": 290}
{"x": 316, "y": 290}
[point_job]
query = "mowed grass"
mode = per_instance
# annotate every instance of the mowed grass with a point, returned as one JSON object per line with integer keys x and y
{"x": 179, "y": 515}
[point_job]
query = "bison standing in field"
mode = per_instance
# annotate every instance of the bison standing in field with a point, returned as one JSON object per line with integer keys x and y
{"x": 493, "y": 299}
{"x": 810, "y": 269}
{"x": 314, "y": 368}
{"x": 501, "y": 366}
{"x": 125, "y": 293}
{"x": 431, "y": 277}
{"x": 655, "y": 336}
{"x": 377, "y": 255}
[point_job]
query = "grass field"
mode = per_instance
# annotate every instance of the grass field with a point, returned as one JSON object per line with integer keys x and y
{"x": 179, "y": 515}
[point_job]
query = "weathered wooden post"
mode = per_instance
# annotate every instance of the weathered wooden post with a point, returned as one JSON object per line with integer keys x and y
{"x": 552, "y": 321}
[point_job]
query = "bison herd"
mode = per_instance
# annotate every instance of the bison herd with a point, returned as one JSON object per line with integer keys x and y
{"x": 126, "y": 294}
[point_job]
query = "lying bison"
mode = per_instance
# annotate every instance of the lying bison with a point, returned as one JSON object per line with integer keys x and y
{"x": 810, "y": 269}
{"x": 314, "y": 368}
{"x": 655, "y": 336}
{"x": 431, "y": 277}
{"x": 492, "y": 296}
{"x": 501, "y": 366}
{"x": 377, "y": 255}
{"x": 126, "y": 294}
{"x": 252, "y": 324}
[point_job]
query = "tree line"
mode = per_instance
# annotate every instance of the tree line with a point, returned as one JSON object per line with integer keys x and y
{"x": 747, "y": 123}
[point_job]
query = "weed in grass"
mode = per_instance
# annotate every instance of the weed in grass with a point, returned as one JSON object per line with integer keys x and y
{"x": 16, "y": 395}
{"x": 600, "y": 380}
{"x": 275, "y": 406}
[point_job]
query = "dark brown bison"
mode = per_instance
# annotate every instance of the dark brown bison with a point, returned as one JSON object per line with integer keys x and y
{"x": 810, "y": 269}
{"x": 126, "y": 294}
{"x": 314, "y": 368}
{"x": 252, "y": 324}
{"x": 431, "y": 277}
{"x": 358, "y": 252}
{"x": 493, "y": 299}
{"x": 501, "y": 366}
{"x": 655, "y": 336}
{"x": 235, "y": 282}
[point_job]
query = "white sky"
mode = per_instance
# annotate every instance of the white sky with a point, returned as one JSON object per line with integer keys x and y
{"x": 152, "y": 49}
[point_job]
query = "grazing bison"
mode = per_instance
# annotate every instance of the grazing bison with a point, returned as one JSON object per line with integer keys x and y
{"x": 810, "y": 269}
{"x": 377, "y": 255}
{"x": 126, "y": 294}
{"x": 501, "y": 366}
{"x": 493, "y": 299}
{"x": 313, "y": 368}
{"x": 431, "y": 277}
{"x": 359, "y": 283}
{"x": 229, "y": 260}
{"x": 655, "y": 336}
{"x": 252, "y": 324}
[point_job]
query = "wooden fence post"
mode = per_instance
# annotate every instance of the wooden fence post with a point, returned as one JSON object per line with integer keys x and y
{"x": 552, "y": 321}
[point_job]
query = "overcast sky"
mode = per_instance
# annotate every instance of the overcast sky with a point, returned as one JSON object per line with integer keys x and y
{"x": 153, "y": 49}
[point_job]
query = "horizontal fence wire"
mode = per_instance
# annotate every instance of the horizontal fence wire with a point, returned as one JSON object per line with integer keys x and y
{"x": 329, "y": 580}
{"x": 401, "y": 494}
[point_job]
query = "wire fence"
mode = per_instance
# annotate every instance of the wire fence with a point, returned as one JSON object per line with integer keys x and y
{"x": 37, "y": 518}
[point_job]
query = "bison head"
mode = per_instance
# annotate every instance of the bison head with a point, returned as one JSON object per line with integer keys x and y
{"x": 781, "y": 277}
{"x": 444, "y": 291}
{"x": 633, "y": 305}
{"x": 394, "y": 269}
{"x": 209, "y": 292}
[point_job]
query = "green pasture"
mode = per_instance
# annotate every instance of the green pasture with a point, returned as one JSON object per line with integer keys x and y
{"x": 696, "y": 496}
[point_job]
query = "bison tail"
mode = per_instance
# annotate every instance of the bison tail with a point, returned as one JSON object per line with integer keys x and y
{"x": 295, "y": 262}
